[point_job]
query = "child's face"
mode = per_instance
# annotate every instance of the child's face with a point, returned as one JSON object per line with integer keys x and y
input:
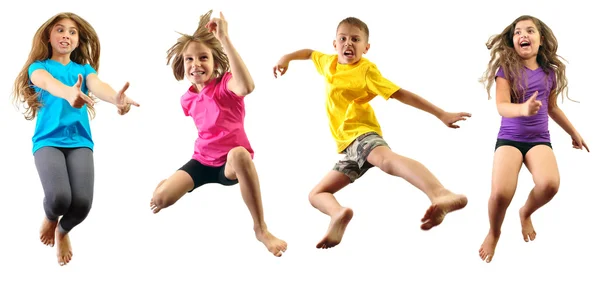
{"x": 351, "y": 44}
{"x": 526, "y": 39}
{"x": 64, "y": 37}
{"x": 198, "y": 63}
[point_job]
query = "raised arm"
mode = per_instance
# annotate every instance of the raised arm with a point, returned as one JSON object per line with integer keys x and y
{"x": 73, "y": 94}
{"x": 283, "y": 63}
{"x": 411, "y": 99}
{"x": 241, "y": 82}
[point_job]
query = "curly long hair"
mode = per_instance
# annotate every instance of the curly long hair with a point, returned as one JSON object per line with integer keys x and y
{"x": 88, "y": 51}
{"x": 503, "y": 54}
{"x": 201, "y": 35}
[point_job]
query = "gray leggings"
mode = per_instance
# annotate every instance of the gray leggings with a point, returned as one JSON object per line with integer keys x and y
{"x": 67, "y": 176}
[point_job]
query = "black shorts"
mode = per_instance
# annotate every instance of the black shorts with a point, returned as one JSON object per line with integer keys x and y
{"x": 523, "y": 147}
{"x": 202, "y": 174}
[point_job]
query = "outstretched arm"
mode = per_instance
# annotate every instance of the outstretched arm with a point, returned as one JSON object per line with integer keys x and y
{"x": 241, "y": 82}
{"x": 73, "y": 94}
{"x": 106, "y": 93}
{"x": 561, "y": 119}
{"x": 283, "y": 63}
{"x": 411, "y": 99}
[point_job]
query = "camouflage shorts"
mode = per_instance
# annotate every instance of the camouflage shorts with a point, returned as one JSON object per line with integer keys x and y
{"x": 354, "y": 164}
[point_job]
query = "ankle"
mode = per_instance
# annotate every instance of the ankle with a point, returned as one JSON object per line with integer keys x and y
{"x": 260, "y": 229}
{"x": 494, "y": 233}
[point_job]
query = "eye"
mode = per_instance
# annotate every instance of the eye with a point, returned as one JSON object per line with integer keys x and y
{"x": 355, "y": 40}
{"x": 342, "y": 38}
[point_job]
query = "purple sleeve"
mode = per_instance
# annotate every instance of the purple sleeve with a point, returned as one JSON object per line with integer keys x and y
{"x": 500, "y": 73}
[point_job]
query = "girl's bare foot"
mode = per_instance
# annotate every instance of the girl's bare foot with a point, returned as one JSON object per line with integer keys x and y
{"x": 486, "y": 252}
{"x": 47, "y": 232}
{"x": 276, "y": 246}
{"x": 63, "y": 248}
{"x": 336, "y": 229}
{"x": 526, "y": 227}
{"x": 440, "y": 206}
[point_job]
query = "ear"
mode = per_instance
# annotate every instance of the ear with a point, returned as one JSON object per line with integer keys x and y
{"x": 541, "y": 40}
{"x": 334, "y": 44}
{"x": 367, "y": 48}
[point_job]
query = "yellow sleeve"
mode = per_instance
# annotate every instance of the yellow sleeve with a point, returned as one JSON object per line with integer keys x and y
{"x": 379, "y": 85}
{"x": 320, "y": 61}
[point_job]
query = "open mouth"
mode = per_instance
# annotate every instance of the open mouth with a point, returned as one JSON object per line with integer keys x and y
{"x": 64, "y": 44}
{"x": 524, "y": 44}
{"x": 197, "y": 73}
{"x": 348, "y": 53}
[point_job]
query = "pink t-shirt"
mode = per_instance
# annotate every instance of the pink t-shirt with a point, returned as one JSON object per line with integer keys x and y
{"x": 219, "y": 116}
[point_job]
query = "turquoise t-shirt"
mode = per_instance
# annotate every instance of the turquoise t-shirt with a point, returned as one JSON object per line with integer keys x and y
{"x": 58, "y": 124}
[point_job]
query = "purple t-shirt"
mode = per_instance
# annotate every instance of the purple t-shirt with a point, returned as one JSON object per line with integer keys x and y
{"x": 530, "y": 128}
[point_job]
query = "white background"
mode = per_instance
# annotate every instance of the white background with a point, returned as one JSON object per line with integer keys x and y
{"x": 204, "y": 246}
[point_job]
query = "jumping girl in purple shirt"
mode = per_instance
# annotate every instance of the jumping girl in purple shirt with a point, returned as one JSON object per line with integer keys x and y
{"x": 529, "y": 77}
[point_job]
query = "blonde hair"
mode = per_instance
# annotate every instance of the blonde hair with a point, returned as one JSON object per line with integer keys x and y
{"x": 201, "y": 35}
{"x": 88, "y": 51}
{"x": 503, "y": 54}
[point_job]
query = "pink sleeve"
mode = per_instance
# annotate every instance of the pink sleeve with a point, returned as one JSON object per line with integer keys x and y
{"x": 185, "y": 104}
{"x": 223, "y": 91}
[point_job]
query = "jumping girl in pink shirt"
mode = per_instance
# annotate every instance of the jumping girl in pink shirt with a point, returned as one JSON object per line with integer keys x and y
{"x": 215, "y": 101}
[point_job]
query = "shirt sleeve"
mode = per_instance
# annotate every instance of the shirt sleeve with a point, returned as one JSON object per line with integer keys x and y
{"x": 224, "y": 91}
{"x": 500, "y": 73}
{"x": 379, "y": 85}
{"x": 37, "y": 65}
{"x": 320, "y": 60}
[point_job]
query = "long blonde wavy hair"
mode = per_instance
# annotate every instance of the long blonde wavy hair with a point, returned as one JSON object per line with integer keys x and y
{"x": 503, "y": 54}
{"x": 88, "y": 51}
{"x": 201, "y": 35}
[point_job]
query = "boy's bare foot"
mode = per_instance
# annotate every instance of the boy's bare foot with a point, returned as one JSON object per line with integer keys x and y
{"x": 153, "y": 206}
{"x": 274, "y": 245}
{"x": 63, "y": 248}
{"x": 526, "y": 227}
{"x": 47, "y": 232}
{"x": 336, "y": 229}
{"x": 486, "y": 252}
{"x": 440, "y": 206}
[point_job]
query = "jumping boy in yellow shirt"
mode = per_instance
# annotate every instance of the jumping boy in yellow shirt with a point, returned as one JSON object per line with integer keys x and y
{"x": 351, "y": 82}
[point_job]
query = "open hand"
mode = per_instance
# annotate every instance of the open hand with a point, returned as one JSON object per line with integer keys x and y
{"x": 76, "y": 97}
{"x": 123, "y": 102}
{"x": 449, "y": 119}
{"x": 218, "y": 26}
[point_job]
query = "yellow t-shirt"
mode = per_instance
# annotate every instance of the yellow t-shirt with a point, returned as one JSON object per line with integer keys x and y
{"x": 349, "y": 89}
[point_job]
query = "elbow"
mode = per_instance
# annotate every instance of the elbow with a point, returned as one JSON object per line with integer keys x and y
{"x": 248, "y": 89}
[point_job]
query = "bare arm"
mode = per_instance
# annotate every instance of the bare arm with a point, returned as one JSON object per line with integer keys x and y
{"x": 241, "y": 82}
{"x": 100, "y": 89}
{"x": 284, "y": 62}
{"x": 559, "y": 116}
{"x": 411, "y": 99}
{"x": 418, "y": 102}
{"x": 72, "y": 94}
{"x": 503, "y": 104}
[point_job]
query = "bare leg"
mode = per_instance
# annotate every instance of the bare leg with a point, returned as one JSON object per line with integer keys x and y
{"x": 64, "y": 252}
{"x": 505, "y": 174}
{"x": 542, "y": 164}
{"x": 321, "y": 197}
{"x": 241, "y": 167}
{"x": 443, "y": 201}
{"x": 47, "y": 231}
{"x": 171, "y": 190}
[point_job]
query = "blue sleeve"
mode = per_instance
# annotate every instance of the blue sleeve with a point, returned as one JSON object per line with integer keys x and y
{"x": 36, "y": 66}
{"x": 89, "y": 69}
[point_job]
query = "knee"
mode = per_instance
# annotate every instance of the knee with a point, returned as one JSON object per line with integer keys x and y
{"x": 501, "y": 198}
{"x": 239, "y": 156}
{"x": 82, "y": 205}
{"x": 59, "y": 202}
{"x": 549, "y": 187}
